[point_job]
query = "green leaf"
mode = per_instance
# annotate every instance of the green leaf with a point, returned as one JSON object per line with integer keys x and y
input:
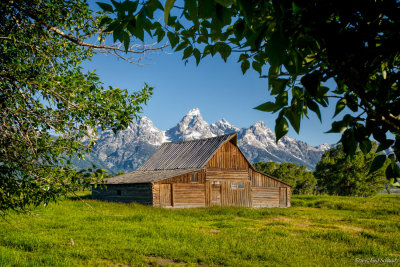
{"x": 105, "y": 7}
{"x": 104, "y": 21}
{"x": 352, "y": 102}
{"x": 197, "y": 55}
{"x": 311, "y": 83}
{"x": 131, "y": 6}
{"x": 126, "y": 40}
{"x": 391, "y": 172}
{"x": 219, "y": 11}
{"x": 182, "y": 46}
{"x": 112, "y": 26}
{"x": 245, "y": 66}
{"x": 191, "y": 7}
{"x": 243, "y": 57}
{"x": 281, "y": 127}
{"x": 338, "y": 127}
{"x": 187, "y": 52}
{"x": 257, "y": 66}
{"x": 224, "y": 3}
{"x": 315, "y": 108}
{"x": 277, "y": 85}
{"x": 294, "y": 119}
{"x": 349, "y": 142}
{"x": 385, "y": 144}
{"x": 168, "y": 6}
{"x": 340, "y": 105}
{"x": 173, "y": 39}
{"x": 223, "y": 49}
{"x": 296, "y": 9}
{"x": 282, "y": 99}
{"x": 366, "y": 146}
{"x": 267, "y": 107}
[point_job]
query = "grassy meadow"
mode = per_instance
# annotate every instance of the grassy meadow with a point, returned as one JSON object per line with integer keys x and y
{"x": 315, "y": 231}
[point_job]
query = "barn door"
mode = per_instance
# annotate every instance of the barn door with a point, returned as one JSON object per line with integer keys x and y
{"x": 216, "y": 194}
{"x": 165, "y": 195}
{"x": 282, "y": 197}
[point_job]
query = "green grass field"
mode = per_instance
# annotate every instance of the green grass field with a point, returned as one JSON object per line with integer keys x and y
{"x": 315, "y": 231}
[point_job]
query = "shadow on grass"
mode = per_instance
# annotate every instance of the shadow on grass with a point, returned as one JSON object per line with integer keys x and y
{"x": 79, "y": 197}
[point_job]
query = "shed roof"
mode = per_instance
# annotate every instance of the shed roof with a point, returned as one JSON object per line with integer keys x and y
{"x": 139, "y": 177}
{"x": 185, "y": 155}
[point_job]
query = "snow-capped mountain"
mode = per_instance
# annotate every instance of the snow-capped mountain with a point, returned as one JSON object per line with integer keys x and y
{"x": 130, "y": 148}
{"x": 191, "y": 127}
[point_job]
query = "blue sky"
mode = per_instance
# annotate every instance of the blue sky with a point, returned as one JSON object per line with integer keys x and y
{"x": 218, "y": 89}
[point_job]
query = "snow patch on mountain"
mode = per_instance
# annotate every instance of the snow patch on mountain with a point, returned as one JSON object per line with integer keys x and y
{"x": 130, "y": 148}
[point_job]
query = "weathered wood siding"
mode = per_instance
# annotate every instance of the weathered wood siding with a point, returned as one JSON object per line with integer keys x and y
{"x": 186, "y": 178}
{"x": 188, "y": 195}
{"x": 265, "y": 197}
{"x": 289, "y": 194}
{"x": 166, "y": 195}
{"x": 140, "y": 193}
{"x": 261, "y": 180}
{"x": 228, "y": 156}
{"x": 237, "y": 196}
{"x": 183, "y": 191}
{"x": 267, "y": 191}
{"x": 156, "y": 194}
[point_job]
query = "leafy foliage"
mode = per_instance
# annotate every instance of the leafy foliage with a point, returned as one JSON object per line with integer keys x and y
{"x": 299, "y": 45}
{"x": 49, "y": 108}
{"x": 350, "y": 176}
{"x": 301, "y": 180}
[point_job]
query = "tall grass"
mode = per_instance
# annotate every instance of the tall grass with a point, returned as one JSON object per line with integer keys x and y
{"x": 317, "y": 230}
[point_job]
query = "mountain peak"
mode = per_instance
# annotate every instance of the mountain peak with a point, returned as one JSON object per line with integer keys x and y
{"x": 193, "y": 112}
{"x": 259, "y": 124}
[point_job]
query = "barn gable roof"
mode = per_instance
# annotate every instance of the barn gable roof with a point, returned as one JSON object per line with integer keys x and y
{"x": 185, "y": 155}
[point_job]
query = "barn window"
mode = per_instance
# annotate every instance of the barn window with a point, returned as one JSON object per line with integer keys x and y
{"x": 234, "y": 186}
{"x": 195, "y": 178}
{"x": 216, "y": 182}
{"x": 240, "y": 185}
{"x": 118, "y": 192}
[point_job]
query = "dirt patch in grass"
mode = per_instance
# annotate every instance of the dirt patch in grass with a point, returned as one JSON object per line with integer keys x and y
{"x": 214, "y": 231}
{"x": 157, "y": 261}
{"x": 349, "y": 227}
{"x": 279, "y": 218}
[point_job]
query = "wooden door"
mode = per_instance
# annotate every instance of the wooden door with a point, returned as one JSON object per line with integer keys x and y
{"x": 165, "y": 195}
{"x": 282, "y": 197}
{"x": 216, "y": 194}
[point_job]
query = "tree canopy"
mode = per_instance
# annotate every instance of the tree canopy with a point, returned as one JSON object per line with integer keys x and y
{"x": 301, "y": 180}
{"x": 299, "y": 45}
{"x": 341, "y": 175}
{"x": 49, "y": 107}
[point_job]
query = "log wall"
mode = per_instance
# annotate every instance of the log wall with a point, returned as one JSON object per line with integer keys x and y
{"x": 139, "y": 193}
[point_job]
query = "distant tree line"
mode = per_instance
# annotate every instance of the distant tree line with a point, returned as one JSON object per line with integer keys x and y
{"x": 335, "y": 174}
{"x": 301, "y": 179}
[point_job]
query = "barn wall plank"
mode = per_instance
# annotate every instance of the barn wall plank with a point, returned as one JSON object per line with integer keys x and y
{"x": 228, "y": 156}
{"x": 140, "y": 193}
{"x": 189, "y": 195}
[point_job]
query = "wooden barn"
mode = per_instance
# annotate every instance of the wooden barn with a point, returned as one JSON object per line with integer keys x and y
{"x": 198, "y": 173}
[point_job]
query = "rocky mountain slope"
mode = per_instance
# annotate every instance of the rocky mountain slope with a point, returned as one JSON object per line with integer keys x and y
{"x": 130, "y": 148}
